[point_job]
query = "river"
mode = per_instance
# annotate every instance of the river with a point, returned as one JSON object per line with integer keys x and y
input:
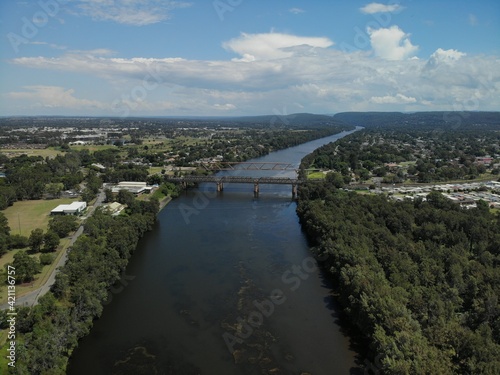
{"x": 224, "y": 284}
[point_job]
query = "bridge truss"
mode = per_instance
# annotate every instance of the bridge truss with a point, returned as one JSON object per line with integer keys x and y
{"x": 248, "y": 166}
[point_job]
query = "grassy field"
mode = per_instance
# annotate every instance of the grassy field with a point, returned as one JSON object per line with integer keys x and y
{"x": 92, "y": 148}
{"x": 316, "y": 175}
{"x": 24, "y": 216}
{"x": 154, "y": 170}
{"x": 50, "y": 152}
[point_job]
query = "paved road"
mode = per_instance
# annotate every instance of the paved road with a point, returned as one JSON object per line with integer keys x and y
{"x": 31, "y": 298}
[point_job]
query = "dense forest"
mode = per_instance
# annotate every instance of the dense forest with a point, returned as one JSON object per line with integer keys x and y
{"x": 48, "y": 333}
{"x": 418, "y": 279}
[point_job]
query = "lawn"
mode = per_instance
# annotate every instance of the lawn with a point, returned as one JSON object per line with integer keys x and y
{"x": 154, "y": 170}
{"x": 92, "y": 148}
{"x": 24, "y": 216}
{"x": 316, "y": 175}
{"x": 50, "y": 152}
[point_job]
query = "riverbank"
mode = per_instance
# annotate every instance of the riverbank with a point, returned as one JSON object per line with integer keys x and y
{"x": 164, "y": 202}
{"x": 98, "y": 260}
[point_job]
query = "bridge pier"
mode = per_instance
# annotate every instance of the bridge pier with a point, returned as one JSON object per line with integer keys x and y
{"x": 256, "y": 189}
{"x": 294, "y": 191}
{"x": 220, "y": 186}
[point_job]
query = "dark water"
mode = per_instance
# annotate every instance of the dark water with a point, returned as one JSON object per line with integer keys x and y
{"x": 223, "y": 285}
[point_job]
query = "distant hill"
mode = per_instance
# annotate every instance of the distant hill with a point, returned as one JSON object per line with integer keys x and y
{"x": 293, "y": 120}
{"x": 421, "y": 119}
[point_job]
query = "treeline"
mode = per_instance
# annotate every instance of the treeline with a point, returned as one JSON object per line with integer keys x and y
{"x": 419, "y": 279}
{"x": 49, "y": 332}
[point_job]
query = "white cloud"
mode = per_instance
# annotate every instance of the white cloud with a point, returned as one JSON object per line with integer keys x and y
{"x": 373, "y": 8}
{"x": 299, "y": 73}
{"x": 53, "y": 97}
{"x": 296, "y": 10}
{"x": 388, "y": 99}
{"x": 391, "y": 43}
{"x": 128, "y": 12}
{"x": 224, "y": 107}
{"x": 272, "y": 45}
{"x": 51, "y": 45}
{"x": 447, "y": 57}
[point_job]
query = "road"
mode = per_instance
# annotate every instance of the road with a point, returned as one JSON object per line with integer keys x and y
{"x": 31, "y": 298}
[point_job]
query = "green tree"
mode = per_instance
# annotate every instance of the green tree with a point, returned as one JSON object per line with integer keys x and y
{"x": 17, "y": 241}
{"x": 63, "y": 224}
{"x": 54, "y": 189}
{"x": 109, "y": 196}
{"x": 26, "y": 267}
{"x": 335, "y": 179}
{"x": 46, "y": 259}
{"x": 7, "y": 196}
{"x": 4, "y": 225}
{"x": 36, "y": 240}
{"x": 88, "y": 195}
{"x": 125, "y": 197}
{"x": 50, "y": 241}
{"x": 4, "y": 234}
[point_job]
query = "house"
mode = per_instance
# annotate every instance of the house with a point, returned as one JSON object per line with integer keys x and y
{"x": 75, "y": 208}
{"x": 484, "y": 160}
{"x": 98, "y": 166}
{"x": 114, "y": 208}
{"x": 77, "y": 143}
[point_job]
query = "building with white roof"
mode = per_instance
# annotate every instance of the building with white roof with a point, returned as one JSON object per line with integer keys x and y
{"x": 75, "y": 208}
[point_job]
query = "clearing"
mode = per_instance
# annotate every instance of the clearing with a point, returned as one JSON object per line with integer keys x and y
{"x": 24, "y": 216}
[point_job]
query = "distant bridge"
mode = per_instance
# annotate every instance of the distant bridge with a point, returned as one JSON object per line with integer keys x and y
{"x": 256, "y": 181}
{"x": 248, "y": 166}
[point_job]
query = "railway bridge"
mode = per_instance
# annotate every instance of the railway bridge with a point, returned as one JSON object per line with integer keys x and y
{"x": 221, "y": 180}
{"x": 243, "y": 178}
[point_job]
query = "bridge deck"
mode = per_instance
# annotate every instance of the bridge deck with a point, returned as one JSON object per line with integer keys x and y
{"x": 237, "y": 179}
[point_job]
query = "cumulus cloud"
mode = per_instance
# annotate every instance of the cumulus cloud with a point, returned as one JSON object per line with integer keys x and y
{"x": 441, "y": 56}
{"x": 53, "y": 97}
{"x": 269, "y": 46}
{"x": 374, "y": 8}
{"x": 128, "y": 12}
{"x": 391, "y": 43}
{"x": 299, "y": 73}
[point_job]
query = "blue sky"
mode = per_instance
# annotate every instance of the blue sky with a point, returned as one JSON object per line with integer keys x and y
{"x": 245, "y": 57}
